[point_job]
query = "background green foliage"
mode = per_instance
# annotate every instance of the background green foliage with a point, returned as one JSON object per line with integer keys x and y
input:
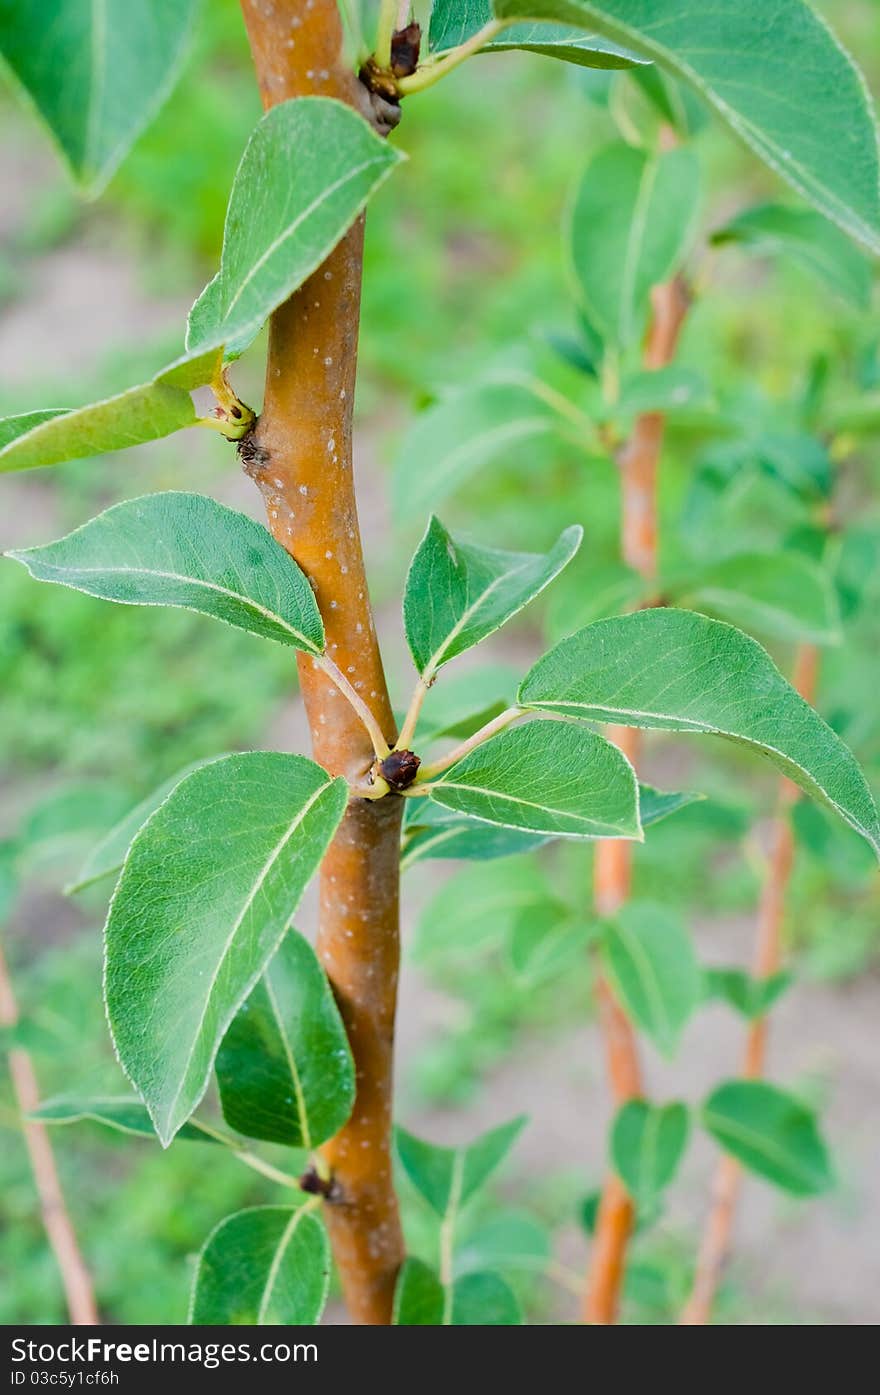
{"x": 465, "y": 268}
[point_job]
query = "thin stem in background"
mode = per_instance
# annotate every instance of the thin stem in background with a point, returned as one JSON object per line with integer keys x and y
{"x": 75, "y": 1277}
{"x": 717, "y": 1236}
{"x": 639, "y": 546}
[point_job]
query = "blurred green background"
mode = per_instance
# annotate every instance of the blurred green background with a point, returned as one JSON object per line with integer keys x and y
{"x": 99, "y": 703}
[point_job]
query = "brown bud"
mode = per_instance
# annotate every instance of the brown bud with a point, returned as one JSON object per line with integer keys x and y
{"x": 405, "y": 45}
{"x": 399, "y": 769}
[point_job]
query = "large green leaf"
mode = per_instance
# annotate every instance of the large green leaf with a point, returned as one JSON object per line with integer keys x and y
{"x": 122, "y": 1113}
{"x": 187, "y": 550}
{"x": 97, "y": 73}
{"x": 306, "y": 173}
{"x": 773, "y": 229}
{"x": 267, "y": 1265}
{"x": 631, "y": 220}
{"x": 453, "y": 22}
{"x": 448, "y": 1177}
{"x": 107, "y": 856}
{"x": 460, "y": 435}
{"x": 683, "y": 672}
{"x": 773, "y": 71}
{"x": 144, "y": 413}
{"x": 546, "y": 777}
{"x": 208, "y": 889}
{"x": 782, "y": 595}
{"x": 647, "y": 1145}
{"x": 284, "y": 1068}
{"x": 649, "y": 959}
{"x": 458, "y": 593}
{"x": 419, "y": 1297}
{"x": 770, "y": 1132}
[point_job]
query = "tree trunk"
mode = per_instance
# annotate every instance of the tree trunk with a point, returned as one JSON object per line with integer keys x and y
{"x": 301, "y": 459}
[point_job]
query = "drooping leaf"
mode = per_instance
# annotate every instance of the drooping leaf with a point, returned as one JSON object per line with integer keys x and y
{"x": 123, "y": 1113}
{"x": 631, "y": 221}
{"x": 484, "y": 1300}
{"x": 284, "y": 1068}
{"x": 307, "y": 171}
{"x": 448, "y": 1177}
{"x": 453, "y": 22}
{"x": 647, "y": 1145}
{"x": 269, "y": 1264}
{"x": 546, "y": 777}
{"x": 770, "y": 1132}
{"x": 144, "y": 413}
{"x": 96, "y": 73}
{"x": 432, "y": 832}
{"x": 679, "y": 671}
{"x": 419, "y": 1297}
{"x": 458, "y": 593}
{"x": 187, "y": 550}
{"x": 650, "y": 962}
{"x": 107, "y": 856}
{"x": 804, "y": 236}
{"x": 782, "y": 595}
{"x": 816, "y": 129}
{"x": 751, "y": 997}
{"x": 460, "y": 435}
{"x": 208, "y": 889}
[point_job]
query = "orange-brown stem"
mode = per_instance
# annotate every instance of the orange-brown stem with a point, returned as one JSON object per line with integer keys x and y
{"x": 57, "y": 1224}
{"x": 639, "y": 547}
{"x": 301, "y": 459}
{"x": 717, "y": 1237}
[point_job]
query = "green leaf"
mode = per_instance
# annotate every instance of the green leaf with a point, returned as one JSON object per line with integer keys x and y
{"x": 782, "y": 595}
{"x": 453, "y": 22}
{"x": 677, "y": 104}
{"x": 419, "y": 1297}
{"x": 187, "y": 550}
{"x": 507, "y": 1240}
{"x": 8, "y": 877}
{"x": 770, "y": 1132}
{"x": 545, "y": 938}
{"x": 144, "y": 413}
{"x": 679, "y": 671}
{"x": 107, "y": 857}
{"x": 96, "y": 73}
{"x": 647, "y": 1145}
{"x": 208, "y": 889}
{"x": 751, "y": 997}
{"x": 284, "y": 1068}
{"x": 484, "y": 1300}
{"x": 448, "y": 1177}
{"x": 773, "y": 71}
{"x": 461, "y": 435}
{"x": 631, "y": 221}
{"x": 800, "y": 234}
{"x": 670, "y": 390}
{"x": 122, "y": 1113}
{"x": 649, "y": 959}
{"x": 307, "y": 171}
{"x": 546, "y": 777}
{"x": 266, "y": 1265}
{"x": 432, "y": 832}
{"x": 458, "y": 593}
